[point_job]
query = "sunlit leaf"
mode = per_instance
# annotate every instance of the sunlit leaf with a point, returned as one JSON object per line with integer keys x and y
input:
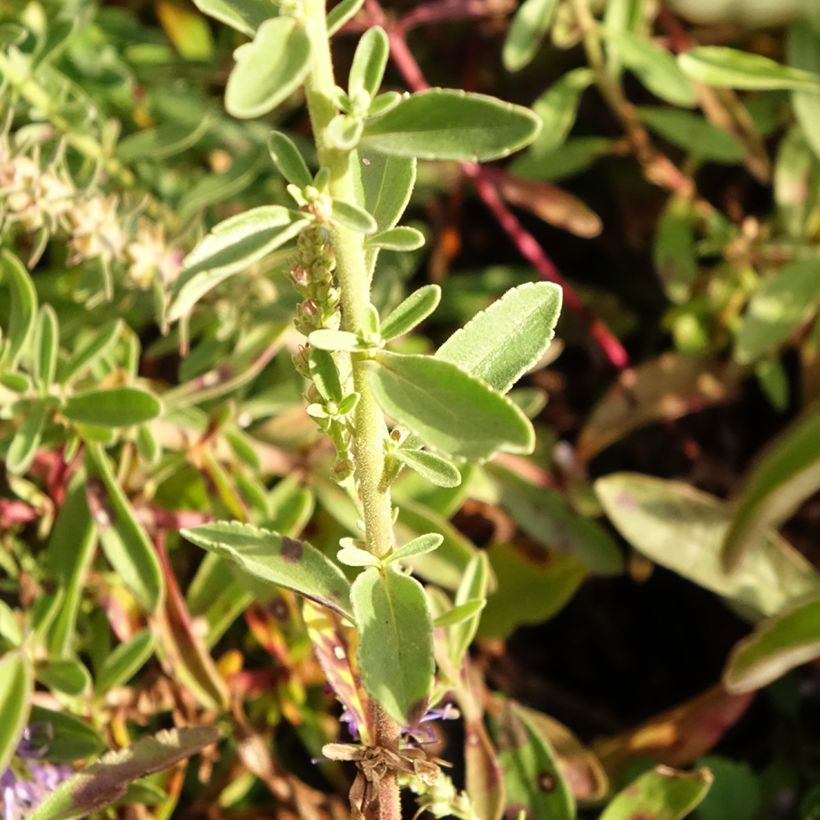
{"x": 527, "y": 28}
{"x": 663, "y": 793}
{"x": 269, "y": 69}
{"x": 683, "y": 529}
{"x": 16, "y": 687}
{"x": 786, "y": 475}
{"x": 777, "y": 646}
{"x": 447, "y": 409}
{"x": 395, "y": 643}
{"x": 106, "y": 781}
{"x": 114, "y": 407}
{"x": 277, "y": 559}
{"x": 450, "y": 124}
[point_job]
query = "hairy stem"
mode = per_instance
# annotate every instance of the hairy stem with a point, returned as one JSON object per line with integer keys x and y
{"x": 354, "y": 282}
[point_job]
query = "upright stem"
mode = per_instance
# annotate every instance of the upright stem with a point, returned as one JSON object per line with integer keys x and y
{"x": 354, "y": 282}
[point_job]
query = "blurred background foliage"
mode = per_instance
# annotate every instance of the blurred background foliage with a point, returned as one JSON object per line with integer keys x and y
{"x": 677, "y": 200}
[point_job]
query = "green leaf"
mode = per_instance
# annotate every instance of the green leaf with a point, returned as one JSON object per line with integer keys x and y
{"x": 676, "y": 261}
{"x": 418, "y": 546}
{"x": 67, "y": 737}
{"x": 531, "y": 774}
{"x": 557, "y": 107}
{"x": 507, "y": 339}
{"x": 16, "y": 687}
{"x": 662, "y": 794}
{"x": 161, "y": 142}
{"x": 777, "y": 308}
{"x": 369, "y": 63}
{"x": 125, "y": 661}
{"x": 435, "y": 469}
{"x": 91, "y": 351}
{"x": 353, "y": 217}
{"x": 288, "y": 159}
{"x": 329, "y": 340}
{"x": 451, "y": 124}
{"x": 526, "y": 31}
{"x": 459, "y": 614}
{"x": 777, "y": 646}
{"x": 448, "y": 409}
{"x": 532, "y": 586}
{"x": 341, "y": 13}
{"x": 397, "y": 239}
{"x": 803, "y": 52}
{"x": 123, "y": 539}
{"x": 473, "y": 587}
{"x": 546, "y": 517}
{"x": 269, "y": 69}
{"x": 411, "y": 312}
{"x": 735, "y": 793}
{"x": 46, "y": 343}
{"x": 65, "y": 675}
{"x": 395, "y": 642}
{"x": 730, "y": 68}
{"x": 68, "y": 558}
{"x": 325, "y": 375}
{"x": 786, "y": 475}
{"x": 26, "y": 440}
{"x": 356, "y": 557}
{"x": 692, "y": 133}
{"x": 231, "y": 246}
{"x": 344, "y": 132}
{"x": 114, "y": 407}
{"x": 654, "y": 66}
{"x": 22, "y": 313}
{"x": 573, "y": 156}
{"x": 277, "y": 559}
{"x": 106, "y": 781}
{"x": 387, "y": 183}
{"x": 683, "y": 530}
{"x": 243, "y": 15}
{"x": 9, "y": 627}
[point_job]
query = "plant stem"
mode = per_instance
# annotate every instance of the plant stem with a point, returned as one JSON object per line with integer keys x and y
{"x": 354, "y": 282}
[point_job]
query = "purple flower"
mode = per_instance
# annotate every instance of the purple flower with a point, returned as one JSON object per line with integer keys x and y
{"x": 425, "y": 734}
{"x": 29, "y": 782}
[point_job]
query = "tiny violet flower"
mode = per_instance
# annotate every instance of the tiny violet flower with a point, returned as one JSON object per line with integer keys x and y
{"x": 422, "y": 732}
{"x": 26, "y": 784}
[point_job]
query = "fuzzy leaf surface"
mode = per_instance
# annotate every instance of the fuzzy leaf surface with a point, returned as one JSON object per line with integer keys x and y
{"x": 396, "y": 642}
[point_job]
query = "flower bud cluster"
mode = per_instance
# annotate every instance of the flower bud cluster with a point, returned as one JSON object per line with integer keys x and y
{"x": 312, "y": 276}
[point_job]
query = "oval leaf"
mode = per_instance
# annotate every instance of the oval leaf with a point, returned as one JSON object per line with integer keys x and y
{"x": 68, "y": 737}
{"x": 654, "y": 66}
{"x": 123, "y": 539}
{"x": 413, "y": 310}
{"x": 23, "y": 310}
{"x": 125, "y": 661}
{"x": 397, "y": 239}
{"x": 527, "y": 28}
{"x": 116, "y": 407}
{"x": 277, "y": 559}
{"x": 731, "y": 68}
{"x": 64, "y": 675}
{"x": 243, "y": 15}
{"x": 683, "y": 530}
{"x": 663, "y": 794}
{"x": 448, "y": 409}
{"x": 269, "y": 69}
{"x": 288, "y": 160}
{"x": 418, "y": 546}
{"x": 504, "y": 341}
{"x": 231, "y": 245}
{"x": 16, "y": 687}
{"x": 395, "y": 642}
{"x": 369, "y": 63}
{"x": 786, "y": 475}
{"x": 106, "y": 781}
{"x": 450, "y": 124}
{"x": 776, "y": 647}
{"x": 435, "y": 469}
{"x": 777, "y": 308}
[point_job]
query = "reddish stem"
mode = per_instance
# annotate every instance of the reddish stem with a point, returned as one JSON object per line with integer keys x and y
{"x": 526, "y": 243}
